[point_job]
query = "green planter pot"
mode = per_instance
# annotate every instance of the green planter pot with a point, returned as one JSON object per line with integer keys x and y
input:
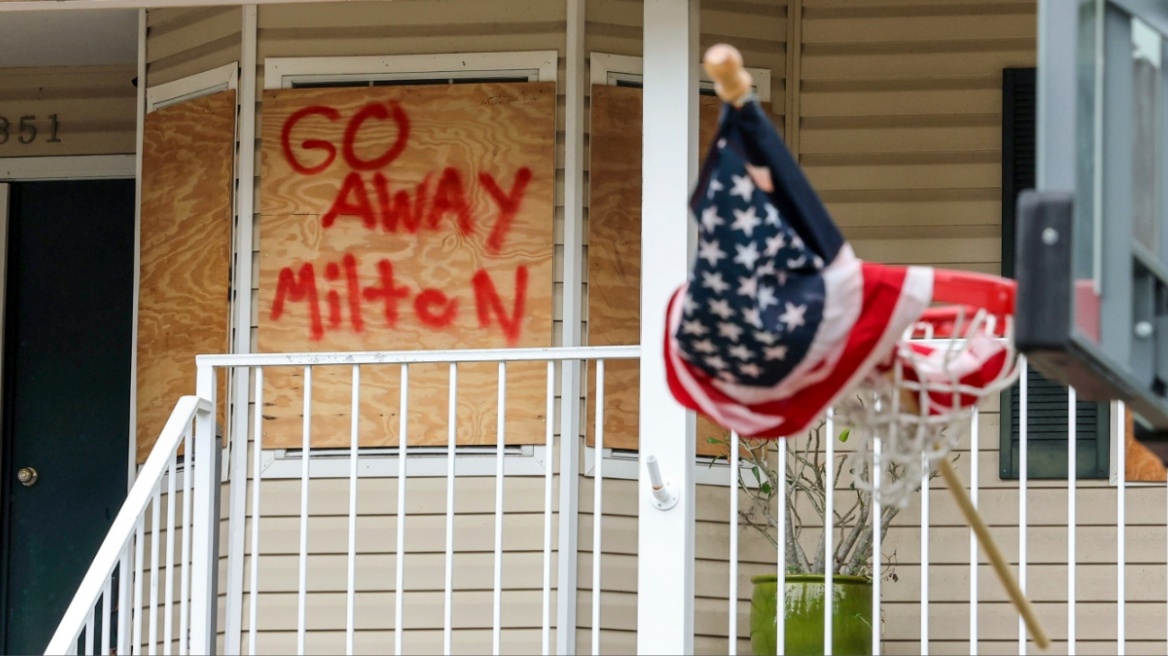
{"x": 851, "y": 613}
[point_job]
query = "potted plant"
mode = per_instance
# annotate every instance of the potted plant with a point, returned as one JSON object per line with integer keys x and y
{"x": 851, "y": 560}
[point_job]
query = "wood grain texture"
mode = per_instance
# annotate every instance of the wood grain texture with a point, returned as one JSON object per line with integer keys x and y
{"x": 187, "y": 161}
{"x": 614, "y": 258}
{"x": 366, "y": 211}
{"x": 1140, "y": 464}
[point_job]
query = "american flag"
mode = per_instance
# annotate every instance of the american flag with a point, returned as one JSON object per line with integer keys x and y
{"x": 779, "y": 317}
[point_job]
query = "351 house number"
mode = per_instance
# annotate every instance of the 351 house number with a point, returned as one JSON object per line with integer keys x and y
{"x": 27, "y": 129}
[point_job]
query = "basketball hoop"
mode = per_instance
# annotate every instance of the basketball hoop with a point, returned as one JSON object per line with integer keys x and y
{"x": 918, "y": 404}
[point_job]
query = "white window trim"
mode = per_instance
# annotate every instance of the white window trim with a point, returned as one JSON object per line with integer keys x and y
{"x": 284, "y": 72}
{"x": 423, "y": 462}
{"x": 193, "y": 86}
{"x": 625, "y": 465}
{"x": 84, "y": 167}
{"x": 163, "y": 95}
{"x": 609, "y": 69}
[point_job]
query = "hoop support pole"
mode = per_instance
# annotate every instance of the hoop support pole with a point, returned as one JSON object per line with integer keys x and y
{"x": 957, "y": 489}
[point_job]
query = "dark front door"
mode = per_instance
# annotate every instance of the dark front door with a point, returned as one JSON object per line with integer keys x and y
{"x": 68, "y": 316}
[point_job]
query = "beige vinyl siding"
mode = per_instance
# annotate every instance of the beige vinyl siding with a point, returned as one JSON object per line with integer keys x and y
{"x": 188, "y": 40}
{"x": 94, "y": 106}
{"x": 899, "y": 110}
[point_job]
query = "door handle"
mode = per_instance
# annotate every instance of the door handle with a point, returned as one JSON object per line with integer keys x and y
{"x": 27, "y": 476}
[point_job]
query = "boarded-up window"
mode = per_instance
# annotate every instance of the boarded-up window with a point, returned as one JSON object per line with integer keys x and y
{"x": 404, "y": 218}
{"x": 614, "y": 256}
{"x": 187, "y": 167}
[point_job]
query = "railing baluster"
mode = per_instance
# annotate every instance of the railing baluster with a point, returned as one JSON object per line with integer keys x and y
{"x": 1072, "y": 482}
{"x": 257, "y": 453}
{"x": 451, "y": 445}
{"x": 184, "y": 637}
{"x": 925, "y": 560}
{"x": 125, "y": 609}
{"x": 399, "y": 577}
{"x": 106, "y": 603}
{"x": 352, "y": 566}
{"x": 1023, "y": 474}
{"x": 1121, "y": 537}
{"x": 781, "y": 556}
{"x": 732, "y": 629}
{"x": 974, "y": 445}
{"x": 302, "y": 595}
{"x": 828, "y": 535}
{"x": 549, "y": 450}
{"x": 89, "y": 631}
{"x": 500, "y": 446}
{"x": 155, "y": 520}
{"x": 877, "y": 554}
{"x": 597, "y": 507}
{"x": 168, "y": 604}
{"x": 139, "y": 554}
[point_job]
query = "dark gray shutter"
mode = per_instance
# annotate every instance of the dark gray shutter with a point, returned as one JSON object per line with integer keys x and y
{"x": 1046, "y": 414}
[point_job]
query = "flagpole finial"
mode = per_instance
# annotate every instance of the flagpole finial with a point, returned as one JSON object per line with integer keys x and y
{"x": 723, "y": 63}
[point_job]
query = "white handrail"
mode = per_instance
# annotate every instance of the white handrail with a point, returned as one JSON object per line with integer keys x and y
{"x": 556, "y": 353}
{"x": 124, "y": 524}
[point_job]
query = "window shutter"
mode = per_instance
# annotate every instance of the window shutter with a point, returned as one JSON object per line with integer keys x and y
{"x": 1046, "y": 400}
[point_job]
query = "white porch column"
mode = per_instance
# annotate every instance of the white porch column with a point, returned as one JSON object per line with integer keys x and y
{"x": 666, "y": 537}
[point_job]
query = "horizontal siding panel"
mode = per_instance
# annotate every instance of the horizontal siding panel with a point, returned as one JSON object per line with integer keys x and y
{"x": 425, "y": 534}
{"x": 422, "y": 610}
{"x": 927, "y": 251}
{"x": 377, "y": 572}
{"x": 859, "y": 139}
{"x": 913, "y": 102}
{"x": 378, "y": 496}
{"x": 832, "y": 27}
{"x": 841, "y": 66}
{"x": 415, "y": 641}
{"x": 977, "y": 176}
{"x": 177, "y": 31}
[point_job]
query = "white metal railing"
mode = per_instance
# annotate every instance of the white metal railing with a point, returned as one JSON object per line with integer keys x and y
{"x": 258, "y": 364}
{"x": 142, "y": 546}
{"x": 115, "y": 580}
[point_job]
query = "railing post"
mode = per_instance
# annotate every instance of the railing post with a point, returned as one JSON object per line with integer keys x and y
{"x": 665, "y": 581}
{"x": 205, "y": 520}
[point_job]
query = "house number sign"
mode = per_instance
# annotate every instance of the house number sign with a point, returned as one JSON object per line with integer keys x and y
{"x": 26, "y": 129}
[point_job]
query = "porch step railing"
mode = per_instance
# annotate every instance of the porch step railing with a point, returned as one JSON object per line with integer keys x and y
{"x": 107, "y": 612}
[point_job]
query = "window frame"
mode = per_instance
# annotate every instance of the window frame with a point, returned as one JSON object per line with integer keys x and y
{"x": 624, "y": 464}
{"x": 424, "y": 461}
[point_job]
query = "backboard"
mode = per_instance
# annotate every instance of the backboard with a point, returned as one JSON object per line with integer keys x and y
{"x": 1092, "y": 242}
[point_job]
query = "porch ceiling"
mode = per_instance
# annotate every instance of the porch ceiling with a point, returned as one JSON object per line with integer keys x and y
{"x": 69, "y": 38}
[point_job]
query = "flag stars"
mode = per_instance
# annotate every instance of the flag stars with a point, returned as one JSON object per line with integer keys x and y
{"x": 746, "y": 221}
{"x": 747, "y": 255}
{"x": 772, "y": 215}
{"x": 694, "y": 327}
{"x": 704, "y": 346}
{"x": 689, "y": 305}
{"x": 775, "y": 353}
{"x": 743, "y": 186}
{"x": 752, "y": 316}
{"x": 731, "y": 331}
{"x": 751, "y": 370}
{"x": 773, "y": 244}
{"x": 721, "y": 307}
{"x": 766, "y": 297}
{"x": 714, "y": 187}
{"x": 709, "y": 251}
{"x": 748, "y": 286}
{"x": 714, "y": 281}
{"x": 764, "y": 337}
{"x": 742, "y": 352}
{"x": 710, "y": 219}
{"x": 793, "y": 316}
{"x": 716, "y": 362}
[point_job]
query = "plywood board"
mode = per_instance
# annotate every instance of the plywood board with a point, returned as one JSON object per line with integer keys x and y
{"x": 406, "y": 218}
{"x": 614, "y": 258}
{"x": 187, "y": 161}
